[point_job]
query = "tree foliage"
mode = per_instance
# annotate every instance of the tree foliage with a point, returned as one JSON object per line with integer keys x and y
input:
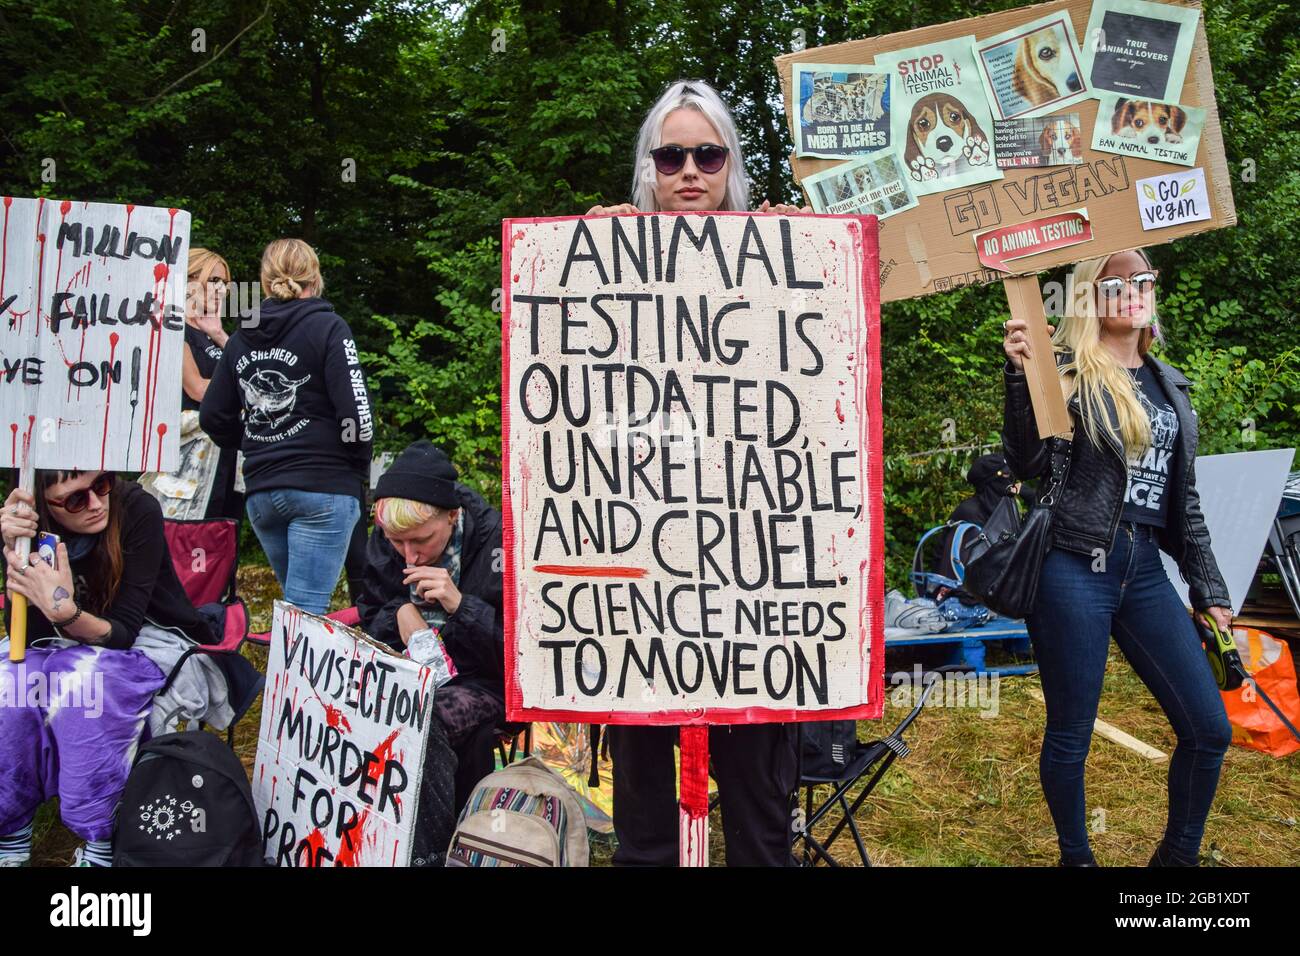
{"x": 454, "y": 116}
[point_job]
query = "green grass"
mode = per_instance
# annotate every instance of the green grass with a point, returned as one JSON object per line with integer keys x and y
{"x": 968, "y": 795}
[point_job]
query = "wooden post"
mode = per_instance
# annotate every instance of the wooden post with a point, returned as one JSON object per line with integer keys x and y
{"x": 1026, "y": 301}
{"x": 18, "y": 611}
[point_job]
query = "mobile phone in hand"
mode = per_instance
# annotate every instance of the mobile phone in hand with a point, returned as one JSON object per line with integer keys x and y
{"x": 47, "y": 547}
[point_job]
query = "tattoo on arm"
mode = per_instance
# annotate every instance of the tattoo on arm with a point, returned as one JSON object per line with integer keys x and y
{"x": 59, "y": 596}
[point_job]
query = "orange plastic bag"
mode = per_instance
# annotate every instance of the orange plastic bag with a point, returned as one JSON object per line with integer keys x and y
{"x": 1254, "y": 724}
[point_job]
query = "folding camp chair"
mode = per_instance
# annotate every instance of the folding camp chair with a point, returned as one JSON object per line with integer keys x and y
{"x": 244, "y": 682}
{"x": 876, "y": 758}
{"x": 510, "y": 733}
{"x": 1284, "y": 540}
{"x": 205, "y": 555}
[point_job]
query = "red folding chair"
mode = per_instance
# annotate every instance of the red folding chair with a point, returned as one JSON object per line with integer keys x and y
{"x": 205, "y": 554}
{"x": 348, "y": 617}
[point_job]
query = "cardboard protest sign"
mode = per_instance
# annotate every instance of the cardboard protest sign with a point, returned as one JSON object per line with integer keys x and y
{"x": 1032, "y": 69}
{"x": 1167, "y": 132}
{"x": 874, "y": 185}
{"x": 1158, "y": 49}
{"x": 843, "y": 110}
{"x": 940, "y": 117}
{"x": 929, "y": 248}
{"x": 93, "y": 301}
{"x": 1139, "y": 48}
{"x": 1039, "y": 141}
{"x": 341, "y": 746}
{"x": 692, "y": 469}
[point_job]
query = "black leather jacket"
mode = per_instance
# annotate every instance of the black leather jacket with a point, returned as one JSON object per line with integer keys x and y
{"x": 1091, "y": 499}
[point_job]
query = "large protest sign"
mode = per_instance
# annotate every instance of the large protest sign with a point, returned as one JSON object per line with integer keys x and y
{"x": 341, "y": 746}
{"x": 943, "y": 243}
{"x": 692, "y": 501}
{"x": 92, "y": 320}
{"x": 930, "y": 248}
{"x": 92, "y": 302}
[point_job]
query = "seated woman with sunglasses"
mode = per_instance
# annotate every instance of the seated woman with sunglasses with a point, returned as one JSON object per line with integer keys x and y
{"x": 1128, "y": 493}
{"x": 688, "y": 158}
{"x": 84, "y": 693}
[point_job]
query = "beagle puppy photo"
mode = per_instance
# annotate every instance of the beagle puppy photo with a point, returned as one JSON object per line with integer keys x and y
{"x": 1143, "y": 119}
{"x": 942, "y": 134}
{"x": 1045, "y": 67}
{"x": 1060, "y": 143}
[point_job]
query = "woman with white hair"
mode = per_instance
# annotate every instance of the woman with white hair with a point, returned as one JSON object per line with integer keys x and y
{"x": 688, "y": 159}
{"x": 1127, "y": 492}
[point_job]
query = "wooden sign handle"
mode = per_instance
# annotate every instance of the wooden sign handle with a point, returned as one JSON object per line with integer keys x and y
{"x": 23, "y": 546}
{"x": 1026, "y": 301}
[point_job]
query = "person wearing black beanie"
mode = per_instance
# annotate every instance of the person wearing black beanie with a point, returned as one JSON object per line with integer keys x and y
{"x": 422, "y": 472}
{"x": 433, "y": 573}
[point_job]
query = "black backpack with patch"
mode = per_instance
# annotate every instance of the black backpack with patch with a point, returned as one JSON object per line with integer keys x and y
{"x": 187, "y": 802}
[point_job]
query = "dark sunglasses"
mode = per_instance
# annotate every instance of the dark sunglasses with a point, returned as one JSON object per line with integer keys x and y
{"x": 1111, "y": 287}
{"x": 708, "y": 158}
{"x": 80, "y": 500}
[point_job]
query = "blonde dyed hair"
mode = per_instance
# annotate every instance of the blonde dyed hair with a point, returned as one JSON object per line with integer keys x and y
{"x": 400, "y": 515}
{"x": 1096, "y": 369}
{"x": 202, "y": 263}
{"x": 198, "y": 269}
{"x": 288, "y": 267}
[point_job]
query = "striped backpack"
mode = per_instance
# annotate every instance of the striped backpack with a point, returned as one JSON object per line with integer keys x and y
{"x": 522, "y": 815}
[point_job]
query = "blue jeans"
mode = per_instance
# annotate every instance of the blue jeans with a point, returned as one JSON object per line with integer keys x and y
{"x": 305, "y": 536}
{"x": 1077, "y": 611}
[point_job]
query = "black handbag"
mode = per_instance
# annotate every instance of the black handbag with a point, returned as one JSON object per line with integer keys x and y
{"x": 1005, "y": 559}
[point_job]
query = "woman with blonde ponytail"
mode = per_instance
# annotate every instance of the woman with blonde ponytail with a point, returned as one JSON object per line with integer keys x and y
{"x": 1128, "y": 493}
{"x": 290, "y": 392}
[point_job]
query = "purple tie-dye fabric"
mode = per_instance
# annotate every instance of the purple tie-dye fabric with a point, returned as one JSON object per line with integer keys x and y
{"x": 75, "y": 740}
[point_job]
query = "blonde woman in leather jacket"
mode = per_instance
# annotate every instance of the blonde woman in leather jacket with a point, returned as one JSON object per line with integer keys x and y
{"x": 1128, "y": 493}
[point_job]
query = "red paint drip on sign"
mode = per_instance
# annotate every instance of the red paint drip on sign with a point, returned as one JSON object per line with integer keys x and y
{"x": 108, "y": 398}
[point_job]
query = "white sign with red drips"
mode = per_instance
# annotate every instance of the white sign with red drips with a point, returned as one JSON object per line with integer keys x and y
{"x": 340, "y": 750}
{"x": 92, "y": 320}
{"x": 691, "y": 439}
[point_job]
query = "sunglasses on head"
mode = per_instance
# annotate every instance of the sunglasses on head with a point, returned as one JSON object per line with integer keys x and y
{"x": 709, "y": 158}
{"x": 80, "y": 500}
{"x": 1110, "y": 287}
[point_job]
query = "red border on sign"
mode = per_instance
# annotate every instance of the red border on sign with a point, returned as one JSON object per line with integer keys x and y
{"x": 867, "y": 244}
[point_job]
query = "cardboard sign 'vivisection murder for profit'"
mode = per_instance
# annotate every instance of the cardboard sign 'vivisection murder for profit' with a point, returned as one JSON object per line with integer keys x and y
{"x": 930, "y": 247}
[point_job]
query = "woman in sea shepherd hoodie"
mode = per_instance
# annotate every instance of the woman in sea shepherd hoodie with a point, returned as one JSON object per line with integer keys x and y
{"x": 290, "y": 392}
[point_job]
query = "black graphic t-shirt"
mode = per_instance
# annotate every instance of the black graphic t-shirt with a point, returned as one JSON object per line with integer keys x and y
{"x": 206, "y": 354}
{"x": 1146, "y": 498}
